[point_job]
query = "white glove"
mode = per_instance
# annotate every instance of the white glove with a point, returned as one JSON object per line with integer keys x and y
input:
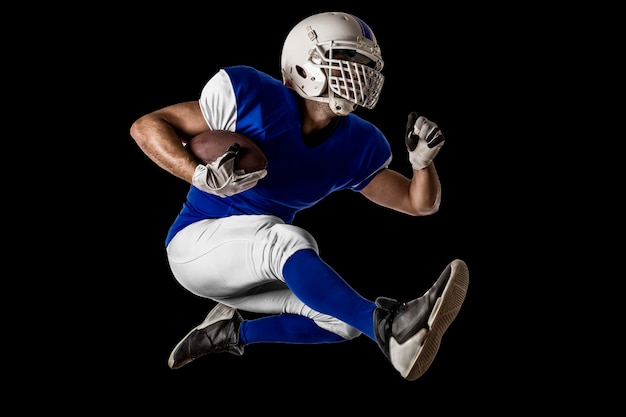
{"x": 423, "y": 141}
{"x": 219, "y": 177}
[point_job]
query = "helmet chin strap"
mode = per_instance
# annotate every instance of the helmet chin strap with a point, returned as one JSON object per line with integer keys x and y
{"x": 339, "y": 106}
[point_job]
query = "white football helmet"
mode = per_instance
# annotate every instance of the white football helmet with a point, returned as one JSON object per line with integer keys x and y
{"x": 333, "y": 57}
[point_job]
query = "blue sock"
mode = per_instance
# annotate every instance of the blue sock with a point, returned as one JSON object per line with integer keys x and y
{"x": 285, "y": 328}
{"x": 324, "y": 290}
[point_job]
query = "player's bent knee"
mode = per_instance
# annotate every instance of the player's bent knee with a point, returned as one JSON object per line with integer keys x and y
{"x": 284, "y": 241}
{"x": 292, "y": 238}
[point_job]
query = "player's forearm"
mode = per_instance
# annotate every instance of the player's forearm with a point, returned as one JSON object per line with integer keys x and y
{"x": 159, "y": 141}
{"x": 425, "y": 190}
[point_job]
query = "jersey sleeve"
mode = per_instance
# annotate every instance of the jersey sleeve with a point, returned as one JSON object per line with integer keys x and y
{"x": 218, "y": 102}
{"x": 359, "y": 186}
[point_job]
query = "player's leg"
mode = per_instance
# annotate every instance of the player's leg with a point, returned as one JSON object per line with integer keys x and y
{"x": 321, "y": 288}
{"x": 234, "y": 261}
{"x": 225, "y": 331}
{"x": 409, "y": 334}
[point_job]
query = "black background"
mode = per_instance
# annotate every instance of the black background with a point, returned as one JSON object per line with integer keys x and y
{"x": 458, "y": 66}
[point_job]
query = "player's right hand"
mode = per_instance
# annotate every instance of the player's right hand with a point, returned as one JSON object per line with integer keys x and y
{"x": 423, "y": 140}
{"x": 219, "y": 177}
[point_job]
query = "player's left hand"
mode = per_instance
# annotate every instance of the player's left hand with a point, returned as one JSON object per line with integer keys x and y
{"x": 423, "y": 140}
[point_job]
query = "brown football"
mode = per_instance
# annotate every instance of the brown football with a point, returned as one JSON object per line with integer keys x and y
{"x": 211, "y": 144}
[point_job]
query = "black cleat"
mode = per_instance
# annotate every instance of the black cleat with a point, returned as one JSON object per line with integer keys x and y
{"x": 409, "y": 334}
{"x": 219, "y": 332}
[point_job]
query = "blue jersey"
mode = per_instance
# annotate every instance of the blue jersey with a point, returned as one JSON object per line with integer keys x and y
{"x": 298, "y": 176}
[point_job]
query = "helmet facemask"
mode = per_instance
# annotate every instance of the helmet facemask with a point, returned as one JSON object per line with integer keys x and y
{"x": 352, "y": 80}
